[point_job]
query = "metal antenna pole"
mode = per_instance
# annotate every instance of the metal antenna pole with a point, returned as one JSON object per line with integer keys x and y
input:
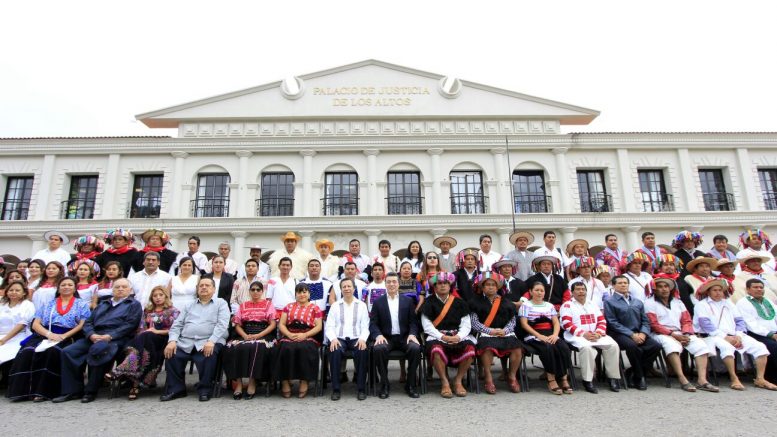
{"x": 510, "y": 174}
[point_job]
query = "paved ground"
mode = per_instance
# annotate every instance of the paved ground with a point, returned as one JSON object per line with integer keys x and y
{"x": 626, "y": 413}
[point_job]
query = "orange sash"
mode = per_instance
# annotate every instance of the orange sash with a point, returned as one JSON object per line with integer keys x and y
{"x": 444, "y": 311}
{"x": 492, "y": 313}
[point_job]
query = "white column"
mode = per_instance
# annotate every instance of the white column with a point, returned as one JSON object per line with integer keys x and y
{"x": 175, "y": 238}
{"x": 177, "y": 210}
{"x": 109, "y": 193}
{"x": 502, "y": 174}
{"x": 372, "y": 189}
{"x": 687, "y": 181}
{"x": 307, "y": 242}
{"x": 563, "y": 178}
{"x": 251, "y": 196}
{"x": 492, "y": 189}
{"x": 627, "y": 187}
{"x": 504, "y": 240}
{"x": 569, "y": 235}
{"x": 372, "y": 241}
{"x": 555, "y": 196}
{"x": 244, "y": 204}
{"x": 238, "y": 246}
{"x": 308, "y": 202}
{"x": 435, "y": 206}
{"x": 747, "y": 185}
{"x": 632, "y": 239}
{"x": 44, "y": 190}
{"x": 36, "y": 245}
{"x": 438, "y": 232}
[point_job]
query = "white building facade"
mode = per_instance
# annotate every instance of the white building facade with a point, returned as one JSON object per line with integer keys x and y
{"x": 377, "y": 151}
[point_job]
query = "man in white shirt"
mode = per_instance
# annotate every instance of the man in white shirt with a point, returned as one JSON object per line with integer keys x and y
{"x": 583, "y": 266}
{"x": 390, "y": 261}
{"x": 299, "y": 257}
{"x": 756, "y": 242}
{"x": 199, "y": 258}
{"x": 319, "y": 286}
{"x": 54, "y": 251}
{"x": 149, "y": 277}
{"x": 280, "y": 289}
{"x": 349, "y": 272}
{"x": 347, "y": 330}
{"x": 330, "y": 264}
{"x": 759, "y": 315}
{"x": 355, "y": 256}
{"x": 550, "y": 249}
{"x": 230, "y": 265}
{"x": 376, "y": 288}
{"x": 487, "y": 256}
{"x": 262, "y": 268}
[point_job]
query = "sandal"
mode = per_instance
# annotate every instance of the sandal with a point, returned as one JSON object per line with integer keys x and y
{"x": 490, "y": 388}
{"x": 446, "y": 392}
{"x": 737, "y": 386}
{"x": 567, "y": 390}
{"x": 708, "y": 387}
{"x": 514, "y": 386}
{"x": 555, "y": 390}
{"x": 688, "y": 387}
{"x": 766, "y": 385}
{"x": 459, "y": 390}
{"x": 133, "y": 393}
{"x": 110, "y": 377}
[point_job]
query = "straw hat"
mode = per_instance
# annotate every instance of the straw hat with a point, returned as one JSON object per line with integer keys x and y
{"x": 325, "y": 242}
{"x": 574, "y": 243}
{"x": 447, "y": 238}
{"x": 145, "y": 236}
{"x": 744, "y": 260}
{"x": 724, "y": 261}
{"x": 514, "y": 237}
{"x": 536, "y": 261}
{"x": 290, "y": 236}
{"x": 704, "y": 287}
{"x": 60, "y": 234}
{"x": 702, "y": 259}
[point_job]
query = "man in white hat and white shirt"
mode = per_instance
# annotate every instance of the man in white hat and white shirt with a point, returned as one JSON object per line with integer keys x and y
{"x": 447, "y": 258}
{"x": 521, "y": 240}
{"x": 299, "y": 257}
{"x": 263, "y": 271}
{"x": 54, "y": 251}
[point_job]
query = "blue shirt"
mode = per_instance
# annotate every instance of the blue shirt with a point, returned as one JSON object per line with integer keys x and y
{"x": 71, "y": 319}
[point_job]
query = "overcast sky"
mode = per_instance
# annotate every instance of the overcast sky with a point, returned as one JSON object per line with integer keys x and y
{"x": 72, "y": 68}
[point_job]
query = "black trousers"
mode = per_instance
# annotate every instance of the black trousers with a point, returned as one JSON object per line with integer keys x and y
{"x": 641, "y": 356}
{"x": 771, "y": 362}
{"x": 412, "y": 354}
{"x": 206, "y": 368}
{"x": 73, "y": 365}
{"x": 360, "y": 360}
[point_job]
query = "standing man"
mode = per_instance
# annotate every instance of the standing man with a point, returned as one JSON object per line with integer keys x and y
{"x": 394, "y": 326}
{"x": 281, "y": 288}
{"x": 110, "y": 326}
{"x": 299, "y": 257}
{"x": 685, "y": 244}
{"x": 486, "y": 255}
{"x": 199, "y": 258}
{"x": 447, "y": 258}
{"x": 230, "y": 266}
{"x": 349, "y": 271}
{"x": 629, "y": 326}
{"x": 466, "y": 274}
{"x": 612, "y": 255}
{"x": 550, "y": 249}
{"x": 521, "y": 240}
{"x": 583, "y": 267}
{"x": 262, "y": 269}
{"x": 355, "y": 255}
{"x": 720, "y": 249}
{"x": 198, "y": 334}
{"x": 54, "y": 251}
{"x": 329, "y": 263}
{"x": 148, "y": 278}
{"x": 556, "y": 288}
{"x": 651, "y": 250}
{"x": 120, "y": 250}
{"x": 390, "y": 261}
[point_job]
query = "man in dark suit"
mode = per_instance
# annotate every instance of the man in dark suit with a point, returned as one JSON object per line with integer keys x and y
{"x": 628, "y": 325}
{"x": 394, "y": 326}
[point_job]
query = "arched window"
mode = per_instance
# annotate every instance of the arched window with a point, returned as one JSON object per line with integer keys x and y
{"x": 212, "y": 195}
{"x": 277, "y": 195}
{"x": 467, "y": 192}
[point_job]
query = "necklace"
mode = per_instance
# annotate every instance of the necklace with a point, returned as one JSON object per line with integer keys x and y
{"x": 62, "y": 310}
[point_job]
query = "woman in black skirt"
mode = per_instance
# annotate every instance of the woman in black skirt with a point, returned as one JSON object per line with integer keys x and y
{"x": 297, "y": 358}
{"x": 248, "y": 355}
{"x": 494, "y": 320}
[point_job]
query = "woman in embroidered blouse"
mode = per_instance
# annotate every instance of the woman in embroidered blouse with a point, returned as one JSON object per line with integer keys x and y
{"x": 300, "y": 325}
{"x": 36, "y": 374}
{"x": 47, "y": 287}
{"x": 539, "y": 320}
{"x": 183, "y": 288}
{"x": 35, "y": 270}
{"x": 494, "y": 319}
{"x": 409, "y": 286}
{"x": 85, "y": 272}
{"x": 144, "y": 354}
{"x": 248, "y": 355}
{"x": 112, "y": 271}
{"x": 16, "y": 313}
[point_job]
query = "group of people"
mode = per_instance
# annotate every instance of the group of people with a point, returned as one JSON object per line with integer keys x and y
{"x": 125, "y": 313}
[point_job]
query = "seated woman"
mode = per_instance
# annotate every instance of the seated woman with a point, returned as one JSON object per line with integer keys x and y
{"x": 494, "y": 319}
{"x": 85, "y": 271}
{"x": 144, "y": 354}
{"x": 35, "y": 372}
{"x": 297, "y": 356}
{"x": 539, "y": 320}
{"x": 671, "y": 326}
{"x": 248, "y": 355}
{"x": 721, "y": 326}
{"x": 447, "y": 325}
{"x": 47, "y": 287}
{"x": 16, "y": 313}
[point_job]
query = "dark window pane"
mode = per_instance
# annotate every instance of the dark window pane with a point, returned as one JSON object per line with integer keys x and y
{"x": 81, "y": 200}
{"x": 146, "y": 196}
{"x": 529, "y": 192}
{"x": 593, "y": 194}
{"x": 467, "y": 193}
{"x": 341, "y": 194}
{"x": 653, "y": 191}
{"x": 17, "y": 198}
{"x": 404, "y": 193}
{"x": 768, "y": 180}
{"x": 212, "y": 196}
{"x": 714, "y": 191}
{"x": 277, "y": 196}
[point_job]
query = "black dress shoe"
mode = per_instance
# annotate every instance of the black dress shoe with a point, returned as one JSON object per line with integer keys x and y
{"x": 615, "y": 385}
{"x": 361, "y": 396}
{"x": 89, "y": 397}
{"x": 411, "y": 391}
{"x": 590, "y": 387}
{"x": 335, "y": 396}
{"x": 638, "y": 383}
{"x": 204, "y": 398}
{"x": 170, "y": 396}
{"x": 383, "y": 394}
{"x": 65, "y": 398}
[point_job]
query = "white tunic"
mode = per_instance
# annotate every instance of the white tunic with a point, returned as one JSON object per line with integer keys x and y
{"x": 60, "y": 255}
{"x": 488, "y": 259}
{"x": 299, "y": 262}
{"x": 183, "y": 293}
{"x": 755, "y": 323}
{"x": 281, "y": 293}
{"x": 638, "y": 285}
{"x": 20, "y": 314}
{"x": 595, "y": 287}
{"x": 143, "y": 282}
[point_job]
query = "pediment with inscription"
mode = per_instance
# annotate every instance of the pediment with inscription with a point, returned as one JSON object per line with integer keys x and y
{"x": 369, "y": 90}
